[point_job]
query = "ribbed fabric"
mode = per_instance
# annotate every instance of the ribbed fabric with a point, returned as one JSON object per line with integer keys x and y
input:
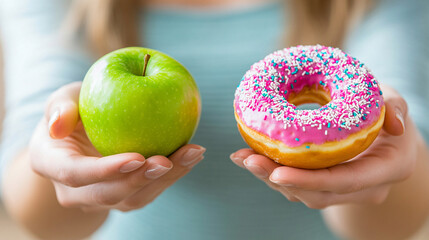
{"x": 216, "y": 200}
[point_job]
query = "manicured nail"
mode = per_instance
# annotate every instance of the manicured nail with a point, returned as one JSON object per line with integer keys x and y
{"x": 283, "y": 184}
{"x": 195, "y": 162}
{"x": 192, "y": 155}
{"x": 400, "y": 118}
{"x": 54, "y": 117}
{"x": 237, "y": 160}
{"x": 256, "y": 170}
{"x": 233, "y": 157}
{"x": 275, "y": 178}
{"x": 156, "y": 171}
{"x": 131, "y": 166}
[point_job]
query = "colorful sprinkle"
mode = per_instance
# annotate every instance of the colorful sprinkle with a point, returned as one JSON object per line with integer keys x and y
{"x": 265, "y": 88}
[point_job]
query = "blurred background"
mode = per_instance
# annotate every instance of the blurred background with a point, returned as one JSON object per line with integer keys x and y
{"x": 11, "y": 231}
{"x": 8, "y": 230}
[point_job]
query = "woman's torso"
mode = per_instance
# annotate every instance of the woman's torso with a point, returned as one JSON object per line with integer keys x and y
{"x": 217, "y": 199}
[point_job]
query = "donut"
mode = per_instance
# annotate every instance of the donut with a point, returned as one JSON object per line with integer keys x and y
{"x": 350, "y": 116}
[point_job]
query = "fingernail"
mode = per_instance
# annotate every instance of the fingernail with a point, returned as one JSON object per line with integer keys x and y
{"x": 130, "y": 166}
{"x": 54, "y": 117}
{"x": 255, "y": 169}
{"x": 275, "y": 178}
{"x": 195, "y": 162}
{"x": 192, "y": 155}
{"x": 400, "y": 118}
{"x": 282, "y": 184}
{"x": 156, "y": 171}
{"x": 235, "y": 158}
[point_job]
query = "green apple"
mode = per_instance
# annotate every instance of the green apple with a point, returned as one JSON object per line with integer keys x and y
{"x": 139, "y": 100}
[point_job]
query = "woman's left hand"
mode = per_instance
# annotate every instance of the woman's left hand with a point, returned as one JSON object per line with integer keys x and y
{"x": 367, "y": 178}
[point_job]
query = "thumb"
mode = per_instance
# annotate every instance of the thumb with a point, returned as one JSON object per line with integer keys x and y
{"x": 396, "y": 112}
{"x": 62, "y": 111}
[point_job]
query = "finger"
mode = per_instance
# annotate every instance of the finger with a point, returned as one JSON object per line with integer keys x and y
{"x": 260, "y": 166}
{"x": 141, "y": 198}
{"x": 112, "y": 192}
{"x": 183, "y": 159}
{"x": 62, "y": 110}
{"x": 353, "y": 176}
{"x": 323, "y": 199}
{"x": 239, "y": 156}
{"x": 93, "y": 209}
{"x": 75, "y": 170}
{"x": 287, "y": 194}
{"x": 396, "y": 112}
{"x": 107, "y": 194}
{"x": 187, "y": 156}
{"x": 144, "y": 196}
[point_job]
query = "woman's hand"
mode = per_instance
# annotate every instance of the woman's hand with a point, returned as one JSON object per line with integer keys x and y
{"x": 61, "y": 152}
{"x": 366, "y": 178}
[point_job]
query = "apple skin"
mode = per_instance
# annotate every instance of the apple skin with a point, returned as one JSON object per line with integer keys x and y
{"x": 123, "y": 111}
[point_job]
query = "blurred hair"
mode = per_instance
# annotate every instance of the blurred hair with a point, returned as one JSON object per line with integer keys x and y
{"x": 106, "y": 24}
{"x": 325, "y": 22}
{"x": 112, "y": 24}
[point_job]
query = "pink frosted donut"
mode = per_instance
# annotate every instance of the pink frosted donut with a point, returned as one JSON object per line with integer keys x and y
{"x": 348, "y": 121}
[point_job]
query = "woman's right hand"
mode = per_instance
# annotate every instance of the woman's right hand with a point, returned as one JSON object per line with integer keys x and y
{"x": 61, "y": 152}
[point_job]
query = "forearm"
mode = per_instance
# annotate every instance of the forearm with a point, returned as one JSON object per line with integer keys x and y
{"x": 402, "y": 214}
{"x": 30, "y": 199}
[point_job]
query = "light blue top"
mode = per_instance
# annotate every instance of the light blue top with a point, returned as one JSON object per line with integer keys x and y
{"x": 217, "y": 200}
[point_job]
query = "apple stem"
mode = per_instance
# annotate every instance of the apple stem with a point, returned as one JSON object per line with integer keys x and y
{"x": 146, "y": 60}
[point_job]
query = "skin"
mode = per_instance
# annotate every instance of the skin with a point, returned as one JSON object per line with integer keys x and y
{"x": 58, "y": 188}
{"x": 389, "y": 180}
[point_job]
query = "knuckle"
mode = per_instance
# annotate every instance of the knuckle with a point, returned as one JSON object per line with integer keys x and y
{"x": 132, "y": 204}
{"x": 103, "y": 199}
{"x": 100, "y": 173}
{"x": 174, "y": 176}
{"x": 355, "y": 186}
{"x": 67, "y": 178}
{"x": 64, "y": 201}
{"x": 135, "y": 181}
{"x": 124, "y": 209}
{"x": 355, "y": 183}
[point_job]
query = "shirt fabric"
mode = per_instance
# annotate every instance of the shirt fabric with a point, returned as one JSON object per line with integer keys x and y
{"x": 216, "y": 200}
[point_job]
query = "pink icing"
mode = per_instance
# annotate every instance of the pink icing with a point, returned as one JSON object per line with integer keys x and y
{"x": 261, "y": 98}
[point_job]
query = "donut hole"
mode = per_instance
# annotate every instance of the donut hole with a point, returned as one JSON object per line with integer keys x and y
{"x": 310, "y": 98}
{"x": 308, "y": 106}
